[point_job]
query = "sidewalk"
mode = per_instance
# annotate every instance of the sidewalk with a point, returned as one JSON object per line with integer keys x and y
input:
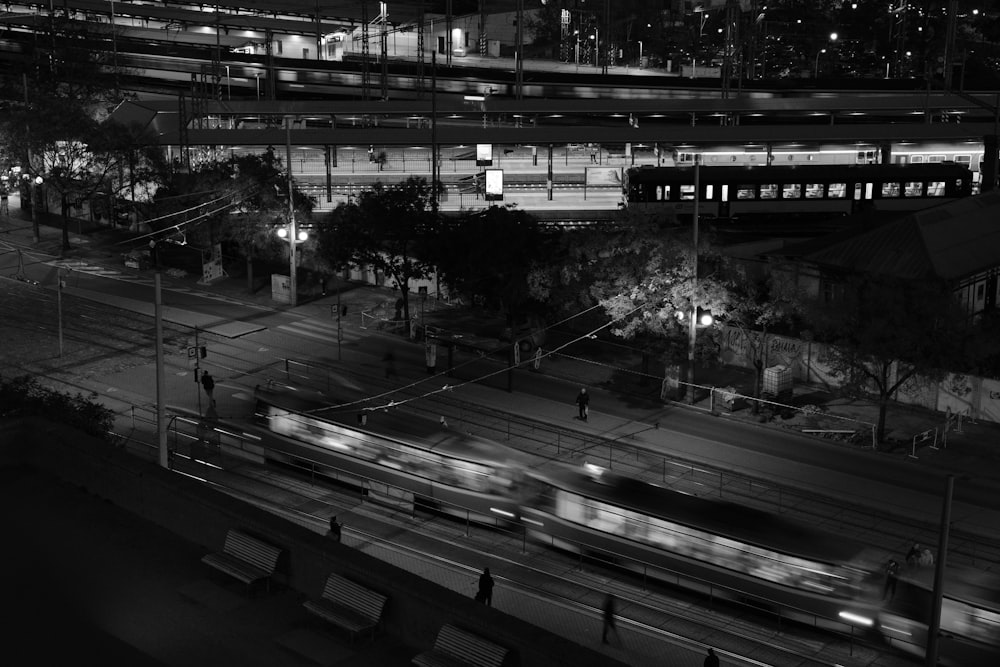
{"x": 975, "y": 448}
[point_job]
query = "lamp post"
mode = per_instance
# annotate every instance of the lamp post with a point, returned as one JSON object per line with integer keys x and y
{"x": 693, "y": 320}
{"x": 934, "y": 628}
{"x": 832, "y": 38}
{"x": 816, "y": 66}
{"x": 290, "y": 233}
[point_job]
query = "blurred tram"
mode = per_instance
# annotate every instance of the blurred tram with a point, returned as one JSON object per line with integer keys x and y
{"x": 713, "y": 547}
{"x": 396, "y": 458}
{"x": 970, "y": 616}
{"x": 729, "y": 192}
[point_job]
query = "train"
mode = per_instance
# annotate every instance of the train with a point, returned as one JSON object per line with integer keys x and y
{"x": 969, "y": 622}
{"x": 831, "y": 190}
{"x": 396, "y": 458}
{"x": 709, "y": 546}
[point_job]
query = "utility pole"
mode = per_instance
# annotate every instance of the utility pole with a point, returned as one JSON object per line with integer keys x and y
{"x": 693, "y": 321}
{"x": 161, "y": 391}
{"x": 292, "y": 234}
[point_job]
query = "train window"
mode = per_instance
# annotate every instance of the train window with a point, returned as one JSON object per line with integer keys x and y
{"x": 916, "y": 159}
{"x": 935, "y": 158}
{"x": 935, "y": 189}
{"x": 745, "y": 192}
{"x": 836, "y": 191}
{"x": 814, "y": 190}
{"x": 662, "y": 193}
{"x": 890, "y": 189}
{"x": 687, "y": 192}
{"x": 791, "y": 191}
{"x": 913, "y": 189}
{"x": 964, "y": 160}
{"x": 769, "y": 191}
{"x": 709, "y": 192}
{"x": 725, "y": 193}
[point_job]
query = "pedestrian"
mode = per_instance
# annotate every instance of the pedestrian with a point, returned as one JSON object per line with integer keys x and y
{"x": 913, "y": 555}
{"x": 334, "y": 529}
{"x": 891, "y": 576}
{"x": 208, "y": 382}
{"x": 609, "y": 620}
{"x": 4, "y": 208}
{"x": 390, "y": 364}
{"x": 711, "y": 660}
{"x": 583, "y": 401}
{"x": 485, "y": 592}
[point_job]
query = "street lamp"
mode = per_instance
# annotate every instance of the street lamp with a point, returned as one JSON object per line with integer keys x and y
{"x": 33, "y": 182}
{"x": 832, "y": 38}
{"x": 816, "y": 67}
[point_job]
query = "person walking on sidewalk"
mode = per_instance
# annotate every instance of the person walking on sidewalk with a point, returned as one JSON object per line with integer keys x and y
{"x": 582, "y": 402}
{"x": 208, "y": 382}
{"x": 334, "y": 529}
{"x": 609, "y": 620}
{"x": 711, "y": 660}
{"x": 485, "y": 592}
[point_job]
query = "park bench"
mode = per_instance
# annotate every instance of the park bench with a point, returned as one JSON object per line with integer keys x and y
{"x": 348, "y": 605}
{"x": 245, "y": 558}
{"x": 454, "y": 647}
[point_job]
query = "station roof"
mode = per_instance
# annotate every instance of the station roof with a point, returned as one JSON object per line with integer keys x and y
{"x": 951, "y": 241}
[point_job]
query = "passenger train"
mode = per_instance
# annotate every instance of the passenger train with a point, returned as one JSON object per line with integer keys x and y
{"x": 709, "y": 546}
{"x": 394, "y": 457}
{"x": 970, "y": 615}
{"x": 727, "y": 192}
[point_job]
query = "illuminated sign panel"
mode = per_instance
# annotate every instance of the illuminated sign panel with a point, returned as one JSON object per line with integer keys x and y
{"x": 494, "y": 184}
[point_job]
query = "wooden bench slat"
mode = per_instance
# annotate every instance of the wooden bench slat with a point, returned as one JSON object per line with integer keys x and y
{"x": 454, "y": 646}
{"x": 348, "y": 605}
{"x": 245, "y": 558}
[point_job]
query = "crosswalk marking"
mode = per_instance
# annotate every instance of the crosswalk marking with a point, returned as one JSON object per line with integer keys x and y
{"x": 311, "y": 329}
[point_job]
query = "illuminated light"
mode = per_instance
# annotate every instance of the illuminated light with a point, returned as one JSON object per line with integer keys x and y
{"x": 855, "y": 618}
{"x": 705, "y": 319}
{"x": 250, "y": 435}
{"x": 593, "y": 470}
{"x": 475, "y": 98}
{"x": 534, "y": 522}
{"x": 303, "y": 235}
{"x": 282, "y": 232}
{"x": 497, "y": 510}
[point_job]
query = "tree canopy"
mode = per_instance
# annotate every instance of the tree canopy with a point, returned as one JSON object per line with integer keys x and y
{"x": 386, "y": 228}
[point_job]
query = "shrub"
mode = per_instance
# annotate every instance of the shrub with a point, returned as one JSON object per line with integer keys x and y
{"x": 23, "y": 396}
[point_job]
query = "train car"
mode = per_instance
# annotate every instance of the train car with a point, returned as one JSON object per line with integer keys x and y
{"x": 970, "y": 615}
{"x": 397, "y": 458}
{"x": 728, "y": 192}
{"x": 709, "y": 546}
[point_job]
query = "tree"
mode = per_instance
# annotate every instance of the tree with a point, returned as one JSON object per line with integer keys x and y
{"x": 386, "y": 228}
{"x": 488, "y": 255}
{"x": 883, "y": 331}
{"x": 63, "y": 92}
{"x": 754, "y": 306}
{"x": 241, "y": 199}
{"x": 641, "y": 276}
